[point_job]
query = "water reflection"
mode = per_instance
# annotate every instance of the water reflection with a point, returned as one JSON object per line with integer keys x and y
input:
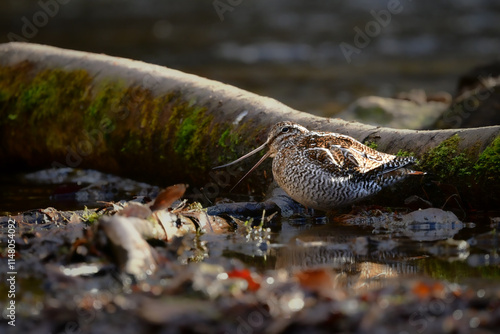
{"x": 422, "y": 225}
{"x": 369, "y": 256}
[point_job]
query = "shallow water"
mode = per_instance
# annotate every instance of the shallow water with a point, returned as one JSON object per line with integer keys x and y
{"x": 307, "y": 270}
{"x": 363, "y": 257}
{"x": 367, "y": 248}
{"x": 65, "y": 189}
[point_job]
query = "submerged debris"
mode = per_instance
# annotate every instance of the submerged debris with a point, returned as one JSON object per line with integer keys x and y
{"x": 422, "y": 225}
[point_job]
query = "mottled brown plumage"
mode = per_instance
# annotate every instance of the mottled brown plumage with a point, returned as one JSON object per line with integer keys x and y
{"x": 324, "y": 170}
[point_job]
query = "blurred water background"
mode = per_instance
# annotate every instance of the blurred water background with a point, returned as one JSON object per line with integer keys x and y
{"x": 287, "y": 49}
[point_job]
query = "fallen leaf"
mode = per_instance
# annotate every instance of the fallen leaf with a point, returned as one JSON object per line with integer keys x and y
{"x": 421, "y": 290}
{"x": 52, "y": 213}
{"x": 316, "y": 280}
{"x": 134, "y": 209}
{"x": 168, "y": 196}
{"x": 425, "y": 290}
{"x": 74, "y": 219}
{"x": 247, "y": 276}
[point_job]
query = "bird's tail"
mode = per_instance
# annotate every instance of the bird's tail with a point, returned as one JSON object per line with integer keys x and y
{"x": 395, "y": 164}
{"x": 393, "y": 171}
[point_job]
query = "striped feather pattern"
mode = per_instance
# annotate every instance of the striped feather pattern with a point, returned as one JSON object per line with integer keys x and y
{"x": 323, "y": 170}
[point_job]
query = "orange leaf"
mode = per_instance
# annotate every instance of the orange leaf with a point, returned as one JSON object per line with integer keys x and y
{"x": 426, "y": 290}
{"x": 168, "y": 196}
{"x": 421, "y": 290}
{"x": 315, "y": 279}
{"x": 247, "y": 276}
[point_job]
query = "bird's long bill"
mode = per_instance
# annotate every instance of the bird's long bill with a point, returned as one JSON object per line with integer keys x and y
{"x": 264, "y": 157}
{"x": 246, "y": 156}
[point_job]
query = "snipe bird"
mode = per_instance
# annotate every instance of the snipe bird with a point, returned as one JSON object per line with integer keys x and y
{"x": 325, "y": 170}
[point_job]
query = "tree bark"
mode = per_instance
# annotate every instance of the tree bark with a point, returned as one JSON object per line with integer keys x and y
{"x": 69, "y": 108}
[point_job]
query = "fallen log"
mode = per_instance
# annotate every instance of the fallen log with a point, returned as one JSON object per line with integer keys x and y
{"x": 77, "y": 109}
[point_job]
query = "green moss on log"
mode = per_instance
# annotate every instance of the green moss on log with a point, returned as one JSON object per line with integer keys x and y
{"x": 50, "y": 97}
{"x": 233, "y": 138}
{"x": 189, "y": 124}
{"x": 371, "y": 144}
{"x": 223, "y": 138}
{"x": 239, "y": 140}
{"x": 403, "y": 153}
{"x": 69, "y": 111}
{"x": 446, "y": 161}
{"x": 487, "y": 167}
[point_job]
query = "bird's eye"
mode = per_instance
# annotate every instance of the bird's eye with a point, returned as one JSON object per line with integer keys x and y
{"x": 285, "y": 129}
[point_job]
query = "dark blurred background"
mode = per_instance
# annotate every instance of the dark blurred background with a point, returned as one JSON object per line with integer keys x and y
{"x": 286, "y": 49}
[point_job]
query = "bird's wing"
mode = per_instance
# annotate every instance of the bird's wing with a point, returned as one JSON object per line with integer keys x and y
{"x": 333, "y": 161}
{"x": 350, "y": 155}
